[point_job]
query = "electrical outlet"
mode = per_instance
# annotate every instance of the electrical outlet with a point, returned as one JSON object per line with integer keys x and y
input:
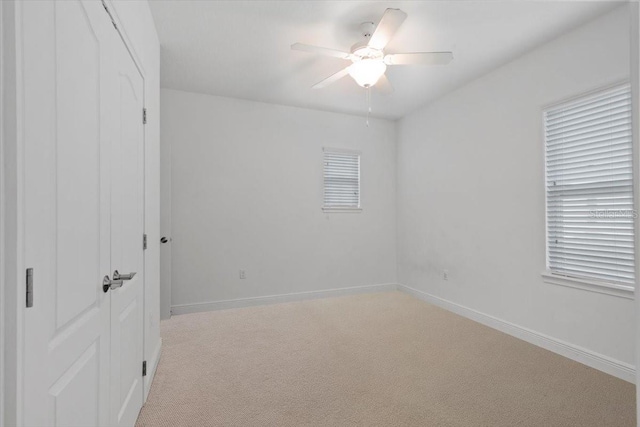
{"x": 243, "y": 274}
{"x": 445, "y": 274}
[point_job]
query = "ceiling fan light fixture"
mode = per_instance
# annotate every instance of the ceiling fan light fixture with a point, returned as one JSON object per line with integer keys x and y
{"x": 367, "y": 72}
{"x": 368, "y": 55}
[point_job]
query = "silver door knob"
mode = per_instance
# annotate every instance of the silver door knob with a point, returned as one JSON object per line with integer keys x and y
{"x": 110, "y": 284}
{"x": 118, "y": 276}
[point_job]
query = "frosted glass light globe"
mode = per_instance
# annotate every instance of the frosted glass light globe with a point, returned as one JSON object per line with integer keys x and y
{"x": 367, "y": 72}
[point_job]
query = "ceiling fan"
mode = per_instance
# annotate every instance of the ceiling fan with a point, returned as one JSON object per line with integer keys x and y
{"x": 369, "y": 60}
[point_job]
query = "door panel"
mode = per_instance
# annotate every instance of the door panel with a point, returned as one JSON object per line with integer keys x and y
{"x": 83, "y": 375}
{"x": 78, "y": 160}
{"x": 127, "y": 228}
{"x": 66, "y": 199}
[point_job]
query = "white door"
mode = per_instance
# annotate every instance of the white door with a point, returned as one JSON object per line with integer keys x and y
{"x": 67, "y": 213}
{"x": 127, "y": 228}
{"x": 83, "y": 198}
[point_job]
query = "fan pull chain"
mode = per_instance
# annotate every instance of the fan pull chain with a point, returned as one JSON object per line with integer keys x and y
{"x": 368, "y": 104}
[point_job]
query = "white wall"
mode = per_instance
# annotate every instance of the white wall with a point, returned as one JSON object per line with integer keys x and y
{"x": 471, "y": 195}
{"x": 140, "y": 32}
{"x": 247, "y": 194}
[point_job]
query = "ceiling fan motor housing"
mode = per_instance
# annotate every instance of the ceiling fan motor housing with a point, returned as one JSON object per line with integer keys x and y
{"x": 368, "y": 65}
{"x": 361, "y": 48}
{"x": 367, "y": 29}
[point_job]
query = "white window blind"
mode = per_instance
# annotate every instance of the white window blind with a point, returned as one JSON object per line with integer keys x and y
{"x": 341, "y": 179}
{"x": 589, "y": 183}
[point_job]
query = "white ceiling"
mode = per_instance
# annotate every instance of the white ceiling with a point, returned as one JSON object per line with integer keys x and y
{"x": 241, "y": 49}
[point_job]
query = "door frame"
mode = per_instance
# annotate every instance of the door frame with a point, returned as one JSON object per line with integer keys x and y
{"x": 634, "y": 59}
{"x": 2, "y": 215}
{"x": 12, "y": 287}
{"x": 11, "y": 218}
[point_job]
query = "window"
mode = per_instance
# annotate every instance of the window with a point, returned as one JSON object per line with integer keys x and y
{"x": 589, "y": 183}
{"x": 341, "y": 180}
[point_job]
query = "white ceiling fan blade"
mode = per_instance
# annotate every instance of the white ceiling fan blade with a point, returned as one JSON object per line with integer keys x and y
{"x": 419, "y": 58}
{"x": 387, "y": 27}
{"x": 384, "y": 85}
{"x": 333, "y": 78}
{"x": 320, "y": 50}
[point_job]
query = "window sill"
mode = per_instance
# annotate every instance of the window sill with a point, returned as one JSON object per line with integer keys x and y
{"x": 342, "y": 210}
{"x": 618, "y": 290}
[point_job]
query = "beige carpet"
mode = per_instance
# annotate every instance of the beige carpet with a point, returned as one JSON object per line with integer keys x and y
{"x": 383, "y": 359}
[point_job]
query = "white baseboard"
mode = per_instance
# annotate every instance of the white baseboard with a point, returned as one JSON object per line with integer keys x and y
{"x": 152, "y": 366}
{"x": 587, "y": 357}
{"x": 275, "y": 299}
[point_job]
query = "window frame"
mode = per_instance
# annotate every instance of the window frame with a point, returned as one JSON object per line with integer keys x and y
{"x": 342, "y": 209}
{"x": 549, "y": 276}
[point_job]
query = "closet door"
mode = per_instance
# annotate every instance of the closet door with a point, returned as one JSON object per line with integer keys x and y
{"x": 67, "y": 212}
{"x": 127, "y": 228}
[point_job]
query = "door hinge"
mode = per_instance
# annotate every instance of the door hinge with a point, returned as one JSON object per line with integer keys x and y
{"x": 29, "y": 287}
{"x": 144, "y": 242}
{"x": 109, "y": 13}
{"x": 144, "y": 368}
{"x": 144, "y": 116}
